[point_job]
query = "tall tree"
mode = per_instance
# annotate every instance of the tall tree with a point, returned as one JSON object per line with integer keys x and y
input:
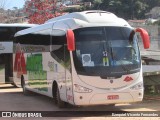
{"x": 152, "y": 3}
{"x": 140, "y": 9}
{"x": 41, "y": 10}
{"x": 128, "y": 9}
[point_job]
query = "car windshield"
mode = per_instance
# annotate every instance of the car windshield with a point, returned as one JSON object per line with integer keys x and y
{"x": 102, "y": 51}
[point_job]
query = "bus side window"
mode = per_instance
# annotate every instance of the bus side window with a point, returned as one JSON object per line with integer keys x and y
{"x": 59, "y": 50}
{"x": 58, "y": 54}
{"x": 7, "y": 33}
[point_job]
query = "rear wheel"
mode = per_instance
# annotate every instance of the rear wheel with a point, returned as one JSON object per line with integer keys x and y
{"x": 111, "y": 105}
{"x": 14, "y": 85}
{"x": 25, "y": 91}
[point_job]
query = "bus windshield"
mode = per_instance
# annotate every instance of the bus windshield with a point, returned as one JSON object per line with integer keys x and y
{"x": 106, "y": 51}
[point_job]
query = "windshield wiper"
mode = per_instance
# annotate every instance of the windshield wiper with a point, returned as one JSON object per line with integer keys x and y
{"x": 115, "y": 58}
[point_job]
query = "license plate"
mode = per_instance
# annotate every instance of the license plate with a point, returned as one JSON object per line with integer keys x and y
{"x": 113, "y": 97}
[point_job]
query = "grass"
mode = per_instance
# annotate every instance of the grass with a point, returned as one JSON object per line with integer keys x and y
{"x": 152, "y": 94}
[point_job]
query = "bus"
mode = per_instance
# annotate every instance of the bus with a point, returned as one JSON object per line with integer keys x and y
{"x": 82, "y": 58}
{"x": 7, "y": 32}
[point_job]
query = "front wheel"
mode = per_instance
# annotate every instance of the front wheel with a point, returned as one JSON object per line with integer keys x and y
{"x": 60, "y": 103}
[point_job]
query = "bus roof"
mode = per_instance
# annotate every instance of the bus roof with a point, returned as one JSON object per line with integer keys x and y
{"x": 78, "y": 19}
{"x": 92, "y": 16}
{"x": 34, "y": 29}
{"x": 16, "y": 25}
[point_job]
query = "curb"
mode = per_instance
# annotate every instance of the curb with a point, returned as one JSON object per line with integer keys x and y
{"x": 151, "y": 98}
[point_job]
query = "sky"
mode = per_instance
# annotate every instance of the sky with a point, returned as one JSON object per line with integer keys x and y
{"x": 9, "y": 4}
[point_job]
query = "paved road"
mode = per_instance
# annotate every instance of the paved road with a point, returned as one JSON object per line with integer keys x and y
{"x": 12, "y": 99}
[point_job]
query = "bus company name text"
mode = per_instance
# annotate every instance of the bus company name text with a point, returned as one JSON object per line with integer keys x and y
{"x": 21, "y": 115}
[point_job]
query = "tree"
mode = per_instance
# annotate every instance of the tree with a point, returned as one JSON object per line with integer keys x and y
{"x": 139, "y": 8}
{"x": 41, "y": 10}
{"x": 128, "y": 9}
{"x": 3, "y": 16}
{"x": 157, "y": 23}
{"x": 152, "y": 3}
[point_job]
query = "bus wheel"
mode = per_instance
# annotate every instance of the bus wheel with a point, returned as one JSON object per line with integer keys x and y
{"x": 60, "y": 103}
{"x": 14, "y": 85}
{"x": 111, "y": 105}
{"x": 25, "y": 91}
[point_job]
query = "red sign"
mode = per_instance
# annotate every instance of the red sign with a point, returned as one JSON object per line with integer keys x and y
{"x": 113, "y": 97}
{"x": 19, "y": 63}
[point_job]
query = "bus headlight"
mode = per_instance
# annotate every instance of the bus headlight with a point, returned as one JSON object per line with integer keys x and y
{"x": 137, "y": 86}
{"x": 81, "y": 89}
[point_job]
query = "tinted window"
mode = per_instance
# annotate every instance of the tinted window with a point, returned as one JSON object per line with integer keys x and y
{"x": 59, "y": 50}
{"x": 33, "y": 39}
{"x": 7, "y": 33}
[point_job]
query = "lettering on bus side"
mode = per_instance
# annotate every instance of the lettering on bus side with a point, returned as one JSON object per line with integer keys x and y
{"x": 53, "y": 66}
{"x": 34, "y": 49}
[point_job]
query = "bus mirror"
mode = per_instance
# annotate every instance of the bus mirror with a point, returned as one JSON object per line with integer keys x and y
{"x": 145, "y": 37}
{"x": 70, "y": 40}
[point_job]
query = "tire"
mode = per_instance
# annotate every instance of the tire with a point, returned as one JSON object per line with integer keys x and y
{"x": 111, "y": 105}
{"x": 54, "y": 93}
{"x": 60, "y": 103}
{"x": 14, "y": 85}
{"x": 25, "y": 91}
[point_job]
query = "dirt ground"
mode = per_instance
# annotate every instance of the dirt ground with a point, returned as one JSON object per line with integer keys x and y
{"x": 12, "y": 99}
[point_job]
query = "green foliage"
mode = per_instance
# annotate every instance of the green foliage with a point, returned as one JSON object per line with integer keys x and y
{"x": 152, "y": 3}
{"x": 128, "y": 9}
{"x": 157, "y": 23}
{"x": 82, "y": 8}
{"x": 97, "y": 1}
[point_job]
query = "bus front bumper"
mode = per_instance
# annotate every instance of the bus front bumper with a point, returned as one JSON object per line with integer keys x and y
{"x": 108, "y": 98}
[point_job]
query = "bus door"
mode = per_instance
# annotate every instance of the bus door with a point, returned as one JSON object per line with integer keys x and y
{"x": 68, "y": 82}
{"x": 61, "y": 55}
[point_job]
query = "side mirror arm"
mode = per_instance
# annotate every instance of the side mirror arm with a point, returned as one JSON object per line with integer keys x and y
{"x": 70, "y": 40}
{"x": 144, "y": 36}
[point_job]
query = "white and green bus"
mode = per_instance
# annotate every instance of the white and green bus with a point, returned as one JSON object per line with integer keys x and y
{"x": 82, "y": 58}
